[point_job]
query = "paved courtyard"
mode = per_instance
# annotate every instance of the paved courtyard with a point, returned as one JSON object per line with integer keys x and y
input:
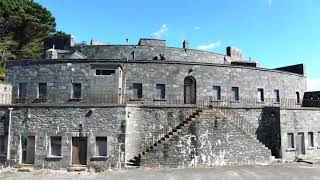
{"x": 273, "y": 172}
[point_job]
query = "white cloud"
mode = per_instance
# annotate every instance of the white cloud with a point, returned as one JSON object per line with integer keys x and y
{"x": 313, "y": 84}
{"x": 162, "y": 31}
{"x": 196, "y": 28}
{"x": 209, "y": 46}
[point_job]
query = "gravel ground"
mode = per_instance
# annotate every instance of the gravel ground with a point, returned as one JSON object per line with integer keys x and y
{"x": 272, "y": 172}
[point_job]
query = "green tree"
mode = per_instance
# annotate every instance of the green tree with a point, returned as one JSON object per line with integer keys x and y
{"x": 23, "y": 26}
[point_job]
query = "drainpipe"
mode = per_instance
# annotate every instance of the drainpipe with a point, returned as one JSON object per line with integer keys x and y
{"x": 9, "y": 133}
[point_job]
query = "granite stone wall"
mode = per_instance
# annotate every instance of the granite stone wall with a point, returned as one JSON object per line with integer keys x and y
{"x": 145, "y": 122}
{"x": 149, "y": 53}
{"x": 60, "y": 77}
{"x": 68, "y": 122}
{"x": 206, "y": 76}
{"x": 296, "y": 121}
{"x": 210, "y": 141}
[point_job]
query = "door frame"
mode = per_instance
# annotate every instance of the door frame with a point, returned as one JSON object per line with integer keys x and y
{"x": 301, "y": 144}
{"x": 84, "y": 160}
{"x": 190, "y": 81}
{"x": 24, "y": 158}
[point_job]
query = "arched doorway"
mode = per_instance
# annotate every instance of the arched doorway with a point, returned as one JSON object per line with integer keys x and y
{"x": 189, "y": 90}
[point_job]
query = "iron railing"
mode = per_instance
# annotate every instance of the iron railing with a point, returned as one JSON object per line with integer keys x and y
{"x": 156, "y": 100}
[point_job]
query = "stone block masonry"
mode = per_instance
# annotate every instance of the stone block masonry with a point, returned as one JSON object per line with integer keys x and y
{"x": 69, "y": 122}
{"x": 209, "y": 141}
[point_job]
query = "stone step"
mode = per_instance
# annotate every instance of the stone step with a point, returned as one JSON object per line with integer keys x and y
{"x": 77, "y": 168}
{"x": 25, "y": 167}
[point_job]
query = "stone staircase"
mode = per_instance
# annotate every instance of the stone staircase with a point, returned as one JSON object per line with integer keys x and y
{"x": 165, "y": 137}
{"x": 244, "y": 146}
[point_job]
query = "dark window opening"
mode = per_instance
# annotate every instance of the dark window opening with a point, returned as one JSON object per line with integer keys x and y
{"x": 137, "y": 90}
{"x": 310, "y": 139}
{"x": 290, "y": 140}
{"x": 55, "y": 146}
{"x": 22, "y": 93}
{"x": 76, "y": 90}
{"x": 161, "y": 91}
{"x": 260, "y": 94}
{"x": 105, "y": 72}
{"x": 42, "y": 90}
{"x": 101, "y": 146}
{"x": 277, "y": 95}
{"x": 3, "y": 146}
{"x": 235, "y": 93}
{"x": 216, "y": 93}
{"x": 298, "y": 97}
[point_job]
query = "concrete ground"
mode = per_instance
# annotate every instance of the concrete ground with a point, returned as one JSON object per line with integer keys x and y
{"x": 273, "y": 172}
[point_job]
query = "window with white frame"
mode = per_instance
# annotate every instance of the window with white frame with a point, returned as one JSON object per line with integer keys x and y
{"x": 55, "y": 145}
{"x": 161, "y": 91}
{"x": 216, "y": 93}
{"x": 101, "y": 146}
{"x": 277, "y": 95}
{"x": 260, "y": 95}
{"x": 235, "y": 93}
{"x": 310, "y": 139}
{"x": 76, "y": 90}
{"x": 42, "y": 90}
{"x": 22, "y": 91}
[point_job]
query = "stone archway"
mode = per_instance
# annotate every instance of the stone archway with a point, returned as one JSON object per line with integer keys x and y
{"x": 190, "y": 96}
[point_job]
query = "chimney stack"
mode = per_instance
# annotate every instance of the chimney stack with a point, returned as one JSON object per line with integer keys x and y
{"x": 185, "y": 44}
{"x": 52, "y": 53}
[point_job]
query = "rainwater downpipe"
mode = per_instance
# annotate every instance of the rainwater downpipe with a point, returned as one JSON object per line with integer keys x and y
{"x": 9, "y": 133}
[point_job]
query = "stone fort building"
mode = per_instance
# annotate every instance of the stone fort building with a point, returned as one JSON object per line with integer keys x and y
{"x": 110, "y": 106}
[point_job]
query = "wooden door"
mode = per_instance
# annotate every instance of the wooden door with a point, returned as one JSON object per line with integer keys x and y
{"x": 79, "y": 150}
{"x": 83, "y": 151}
{"x": 28, "y": 149}
{"x": 187, "y": 96}
{"x": 75, "y": 151}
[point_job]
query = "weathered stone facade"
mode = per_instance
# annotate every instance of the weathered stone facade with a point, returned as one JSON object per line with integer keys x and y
{"x": 152, "y": 105}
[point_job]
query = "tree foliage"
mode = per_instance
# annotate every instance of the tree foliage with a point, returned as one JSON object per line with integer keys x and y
{"x": 23, "y": 26}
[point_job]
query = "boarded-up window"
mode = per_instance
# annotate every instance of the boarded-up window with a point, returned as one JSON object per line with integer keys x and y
{"x": 55, "y": 146}
{"x": 22, "y": 92}
{"x": 161, "y": 91}
{"x": 235, "y": 93}
{"x": 101, "y": 146}
{"x": 216, "y": 93}
{"x": 310, "y": 139}
{"x": 137, "y": 90}
{"x": 290, "y": 140}
{"x": 76, "y": 90}
{"x": 276, "y": 95}
{"x": 42, "y": 90}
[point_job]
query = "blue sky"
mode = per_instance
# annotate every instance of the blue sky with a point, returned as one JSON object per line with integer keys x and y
{"x": 273, "y": 32}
